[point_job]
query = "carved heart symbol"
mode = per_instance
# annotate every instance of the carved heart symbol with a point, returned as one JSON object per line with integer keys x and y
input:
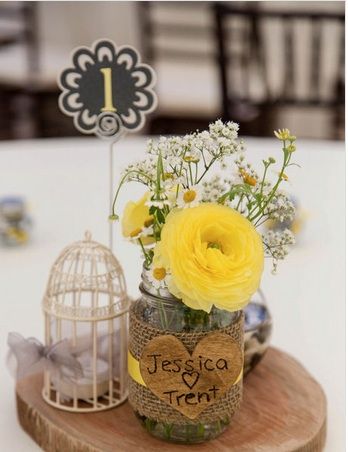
{"x": 190, "y": 378}
{"x": 191, "y": 382}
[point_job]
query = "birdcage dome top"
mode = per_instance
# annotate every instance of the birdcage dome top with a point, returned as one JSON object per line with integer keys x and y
{"x": 86, "y": 282}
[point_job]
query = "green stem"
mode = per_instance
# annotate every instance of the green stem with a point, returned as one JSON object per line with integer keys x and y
{"x": 261, "y": 191}
{"x": 205, "y": 163}
{"x": 187, "y": 179}
{"x": 264, "y": 176}
{"x": 159, "y": 173}
{"x": 191, "y": 177}
{"x": 147, "y": 258}
{"x": 168, "y": 430}
{"x": 286, "y": 160}
{"x": 265, "y": 215}
{"x": 163, "y": 316}
{"x": 260, "y": 223}
{"x": 201, "y": 429}
{"x": 177, "y": 192}
{"x": 240, "y": 200}
{"x": 122, "y": 182}
{"x": 207, "y": 169}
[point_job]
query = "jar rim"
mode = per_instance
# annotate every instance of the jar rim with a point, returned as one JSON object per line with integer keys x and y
{"x": 144, "y": 291}
{"x": 173, "y": 301}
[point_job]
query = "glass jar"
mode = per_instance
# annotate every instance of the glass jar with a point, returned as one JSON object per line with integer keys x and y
{"x": 258, "y": 330}
{"x": 159, "y": 309}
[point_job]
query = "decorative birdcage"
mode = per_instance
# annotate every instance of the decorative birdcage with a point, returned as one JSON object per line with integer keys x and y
{"x": 85, "y": 308}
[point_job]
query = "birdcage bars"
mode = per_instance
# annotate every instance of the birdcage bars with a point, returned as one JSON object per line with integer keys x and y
{"x": 75, "y": 278}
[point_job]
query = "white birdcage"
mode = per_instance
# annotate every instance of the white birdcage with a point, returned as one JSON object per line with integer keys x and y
{"x": 86, "y": 306}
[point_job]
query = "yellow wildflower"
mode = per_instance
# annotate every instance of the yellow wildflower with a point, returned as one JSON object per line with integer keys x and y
{"x": 168, "y": 176}
{"x": 135, "y": 217}
{"x": 247, "y": 178}
{"x": 191, "y": 159}
{"x": 282, "y": 134}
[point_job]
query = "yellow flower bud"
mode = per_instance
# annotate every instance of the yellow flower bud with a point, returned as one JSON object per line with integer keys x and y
{"x": 291, "y": 148}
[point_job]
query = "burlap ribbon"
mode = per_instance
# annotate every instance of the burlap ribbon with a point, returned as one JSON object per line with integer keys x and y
{"x": 148, "y": 404}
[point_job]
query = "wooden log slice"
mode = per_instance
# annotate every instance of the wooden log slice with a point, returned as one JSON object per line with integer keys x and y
{"x": 283, "y": 410}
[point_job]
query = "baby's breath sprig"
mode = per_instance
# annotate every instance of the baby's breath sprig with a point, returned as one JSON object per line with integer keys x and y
{"x": 184, "y": 163}
{"x": 257, "y": 198}
{"x": 176, "y": 173}
{"x": 277, "y": 245}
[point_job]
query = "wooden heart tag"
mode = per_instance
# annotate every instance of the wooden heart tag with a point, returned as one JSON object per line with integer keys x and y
{"x": 190, "y": 383}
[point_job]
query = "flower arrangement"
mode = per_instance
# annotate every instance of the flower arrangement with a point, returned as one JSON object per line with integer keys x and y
{"x": 199, "y": 234}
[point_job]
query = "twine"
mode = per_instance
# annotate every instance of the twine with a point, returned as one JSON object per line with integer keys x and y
{"x": 148, "y": 404}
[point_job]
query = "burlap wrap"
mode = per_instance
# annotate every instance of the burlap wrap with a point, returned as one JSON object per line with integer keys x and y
{"x": 148, "y": 404}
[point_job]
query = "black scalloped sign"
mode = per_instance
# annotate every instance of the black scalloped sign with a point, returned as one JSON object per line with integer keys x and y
{"x": 107, "y": 89}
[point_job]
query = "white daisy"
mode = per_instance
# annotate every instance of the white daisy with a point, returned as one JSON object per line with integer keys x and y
{"x": 141, "y": 233}
{"x": 135, "y": 235}
{"x": 158, "y": 200}
{"x": 158, "y": 277}
{"x": 189, "y": 197}
{"x": 158, "y": 203}
{"x": 147, "y": 231}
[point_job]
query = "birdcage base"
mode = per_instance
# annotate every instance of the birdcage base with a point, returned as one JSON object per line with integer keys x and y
{"x": 84, "y": 405}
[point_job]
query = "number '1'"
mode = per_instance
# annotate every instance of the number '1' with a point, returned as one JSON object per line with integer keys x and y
{"x": 108, "y": 105}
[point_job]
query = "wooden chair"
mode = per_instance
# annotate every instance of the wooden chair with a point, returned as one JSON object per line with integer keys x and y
{"x": 21, "y": 29}
{"x": 18, "y": 28}
{"x": 188, "y": 44}
{"x": 28, "y": 100}
{"x": 248, "y": 65}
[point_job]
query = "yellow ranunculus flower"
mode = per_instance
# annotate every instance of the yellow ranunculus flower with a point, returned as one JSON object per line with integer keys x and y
{"x": 214, "y": 254}
{"x": 136, "y": 216}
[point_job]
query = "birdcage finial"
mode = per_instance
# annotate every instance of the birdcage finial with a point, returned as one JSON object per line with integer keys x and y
{"x": 88, "y": 236}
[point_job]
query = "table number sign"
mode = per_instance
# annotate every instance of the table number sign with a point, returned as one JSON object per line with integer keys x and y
{"x": 107, "y": 90}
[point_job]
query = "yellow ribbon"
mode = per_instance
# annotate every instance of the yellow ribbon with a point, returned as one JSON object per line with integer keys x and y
{"x": 134, "y": 370}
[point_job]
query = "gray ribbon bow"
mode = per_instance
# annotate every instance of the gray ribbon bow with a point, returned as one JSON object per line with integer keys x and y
{"x": 32, "y": 357}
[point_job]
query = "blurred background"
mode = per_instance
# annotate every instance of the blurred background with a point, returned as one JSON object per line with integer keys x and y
{"x": 262, "y": 64}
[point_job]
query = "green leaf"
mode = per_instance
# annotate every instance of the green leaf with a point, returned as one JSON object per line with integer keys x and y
{"x": 258, "y": 197}
{"x": 159, "y": 171}
{"x": 160, "y": 216}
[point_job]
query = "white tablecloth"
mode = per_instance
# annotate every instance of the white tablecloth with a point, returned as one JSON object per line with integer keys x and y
{"x": 65, "y": 182}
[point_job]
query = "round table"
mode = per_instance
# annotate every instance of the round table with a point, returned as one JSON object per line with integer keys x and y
{"x": 66, "y": 184}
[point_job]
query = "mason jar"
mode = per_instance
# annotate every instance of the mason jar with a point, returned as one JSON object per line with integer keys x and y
{"x": 257, "y": 331}
{"x": 157, "y": 312}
